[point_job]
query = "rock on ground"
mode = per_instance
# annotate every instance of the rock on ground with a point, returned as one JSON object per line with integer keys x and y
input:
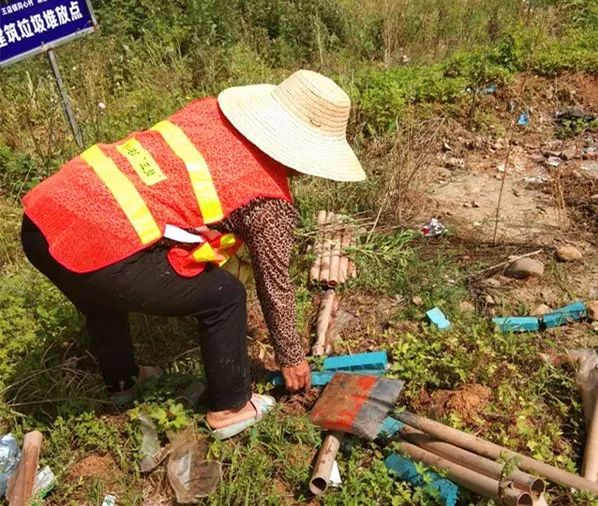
{"x": 524, "y": 268}
{"x": 466, "y": 307}
{"x": 593, "y": 310}
{"x": 568, "y": 253}
{"x": 542, "y": 309}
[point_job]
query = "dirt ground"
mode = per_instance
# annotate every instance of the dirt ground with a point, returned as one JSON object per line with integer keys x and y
{"x": 549, "y": 189}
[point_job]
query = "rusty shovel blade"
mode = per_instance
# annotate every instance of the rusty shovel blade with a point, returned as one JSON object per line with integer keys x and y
{"x": 356, "y": 404}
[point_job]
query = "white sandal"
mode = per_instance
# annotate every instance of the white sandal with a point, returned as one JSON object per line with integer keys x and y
{"x": 261, "y": 403}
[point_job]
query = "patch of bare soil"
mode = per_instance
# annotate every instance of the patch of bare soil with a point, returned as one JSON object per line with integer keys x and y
{"x": 468, "y": 401}
{"x": 468, "y": 168}
{"x": 302, "y": 402}
{"x": 96, "y": 466}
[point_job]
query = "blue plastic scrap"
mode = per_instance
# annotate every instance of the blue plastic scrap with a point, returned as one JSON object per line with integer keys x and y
{"x": 572, "y": 312}
{"x": 360, "y": 361}
{"x": 523, "y": 119}
{"x": 390, "y": 426}
{"x": 404, "y": 469}
{"x": 517, "y": 323}
{"x": 437, "y": 317}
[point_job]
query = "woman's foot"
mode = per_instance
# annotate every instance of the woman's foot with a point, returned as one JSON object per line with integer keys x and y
{"x": 230, "y": 422}
{"x": 126, "y": 397}
{"x": 219, "y": 419}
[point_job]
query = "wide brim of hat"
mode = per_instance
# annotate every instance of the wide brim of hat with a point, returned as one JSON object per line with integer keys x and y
{"x": 280, "y": 134}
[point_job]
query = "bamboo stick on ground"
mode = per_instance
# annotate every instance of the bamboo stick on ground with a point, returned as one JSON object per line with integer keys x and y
{"x": 326, "y": 250}
{"x": 320, "y": 477}
{"x": 314, "y": 272}
{"x": 494, "y": 451}
{"x": 20, "y": 485}
{"x": 590, "y": 456}
{"x": 472, "y": 480}
{"x": 523, "y": 481}
{"x": 323, "y": 322}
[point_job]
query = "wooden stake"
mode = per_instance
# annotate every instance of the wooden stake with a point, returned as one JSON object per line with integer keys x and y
{"x": 20, "y": 485}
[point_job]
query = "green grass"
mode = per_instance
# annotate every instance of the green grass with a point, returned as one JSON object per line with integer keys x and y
{"x": 51, "y": 384}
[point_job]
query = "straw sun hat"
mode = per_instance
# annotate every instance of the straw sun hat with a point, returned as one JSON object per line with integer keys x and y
{"x": 301, "y": 123}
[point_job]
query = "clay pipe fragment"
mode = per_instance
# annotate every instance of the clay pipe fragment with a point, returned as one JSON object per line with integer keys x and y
{"x": 314, "y": 272}
{"x": 494, "y": 451}
{"x": 323, "y": 323}
{"x": 20, "y": 485}
{"x": 471, "y": 480}
{"x": 335, "y": 252}
{"x": 523, "y": 481}
{"x": 590, "y": 456}
{"x": 586, "y": 377}
{"x": 326, "y": 249}
{"x": 320, "y": 477}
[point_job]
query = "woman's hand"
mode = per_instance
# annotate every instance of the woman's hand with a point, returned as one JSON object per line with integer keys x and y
{"x": 297, "y": 377}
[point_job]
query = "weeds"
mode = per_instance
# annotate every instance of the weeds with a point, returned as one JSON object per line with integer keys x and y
{"x": 410, "y": 68}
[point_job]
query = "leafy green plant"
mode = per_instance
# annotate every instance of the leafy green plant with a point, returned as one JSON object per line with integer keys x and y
{"x": 168, "y": 416}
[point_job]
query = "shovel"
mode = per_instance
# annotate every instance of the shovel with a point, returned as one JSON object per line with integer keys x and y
{"x": 357, "y": 404}
{"x": 352, "y": 403}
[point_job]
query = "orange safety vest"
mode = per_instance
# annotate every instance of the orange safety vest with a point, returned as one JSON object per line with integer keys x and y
{"x": 189, "y": 171}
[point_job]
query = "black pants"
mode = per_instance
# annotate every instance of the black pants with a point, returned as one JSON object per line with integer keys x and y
{"x": 146, "y": 283}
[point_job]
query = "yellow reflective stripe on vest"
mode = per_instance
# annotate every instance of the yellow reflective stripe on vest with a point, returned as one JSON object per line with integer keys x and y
{"x": 125, "y": 193}
{"x": 142, "y": 161}
{"x": 205, "y": 253}
{"x": 227, "y": 241}
{"x": 199, "y": 173}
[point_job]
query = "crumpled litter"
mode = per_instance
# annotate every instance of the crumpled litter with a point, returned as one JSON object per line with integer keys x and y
{"x": 189, "y": 474}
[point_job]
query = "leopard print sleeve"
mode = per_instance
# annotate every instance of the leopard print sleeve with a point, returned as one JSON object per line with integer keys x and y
{"x": 267, "y": 227}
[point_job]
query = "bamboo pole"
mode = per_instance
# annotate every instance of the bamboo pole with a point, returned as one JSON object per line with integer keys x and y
{"x": 314, "y": 272}
{"x": 323, "y": 322}
{"x": 326, "y": 250}
{"x": 20, "y": 485}
{"x": 494, "y": 451}
{"x": 590, "y": 456}
{"x": 523, "y": 481}
{"x": 320, "y": 477}
{"x": 472, "y": 480}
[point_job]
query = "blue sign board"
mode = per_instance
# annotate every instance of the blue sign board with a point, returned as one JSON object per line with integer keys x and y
{"x": 28, "y": 27}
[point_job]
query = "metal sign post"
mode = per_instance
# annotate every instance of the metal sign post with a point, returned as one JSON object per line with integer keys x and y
{"x": 30, "y": 27}
{"x": 66, "y": 101}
